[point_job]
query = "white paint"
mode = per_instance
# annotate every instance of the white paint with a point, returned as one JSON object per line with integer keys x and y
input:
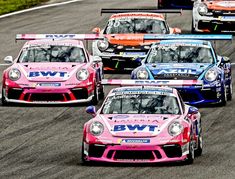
{"x": 37, "y": 8}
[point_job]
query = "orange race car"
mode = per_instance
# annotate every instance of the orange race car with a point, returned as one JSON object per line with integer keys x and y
{"x": 124, "y": 36}
{"x": 213, "y": 16}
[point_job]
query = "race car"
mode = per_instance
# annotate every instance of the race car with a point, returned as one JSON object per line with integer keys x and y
{"x": 53, "y": 69}
{"x": 185, "y": 58}
{"x": 142, "y": 123}
{"x": 211, "y": 16}
{"x": 124, "y": 36}
{"x": 175, "y": 4}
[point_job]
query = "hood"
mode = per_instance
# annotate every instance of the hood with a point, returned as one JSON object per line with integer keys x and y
{"x": 221, "y": 5}
{"x": 177, "y": 70}
{"x": 128, "y": 39}
{"x": 49, "y": 72}
{"x": 136, "y": 125}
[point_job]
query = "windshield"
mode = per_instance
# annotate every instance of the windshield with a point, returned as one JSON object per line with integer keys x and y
{"x": 135, "y": 25}
{"x": 180, "y": 54}
{"x": 52, "y": 53}
{"x": 141, "y": 104}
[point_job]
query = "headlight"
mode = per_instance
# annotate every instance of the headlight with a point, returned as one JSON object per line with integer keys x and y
{"x": 14, "y": 74}
{"x": 202, "y": 9}
{"x": 175, "y": 128}
{"x": 96, "y": 128}
{"x": 211, "y": 75}
{"x": 82, "y": 74}
{"x": 102, "y": 45}
{"x": 142, "y": 74}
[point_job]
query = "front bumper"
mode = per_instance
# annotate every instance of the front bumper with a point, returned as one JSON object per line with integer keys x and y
{"x": 214, "y": 24}
{"x": 47, "y": 95}
{"x": 201, "y": 95}
{"x": 135, "y": 153}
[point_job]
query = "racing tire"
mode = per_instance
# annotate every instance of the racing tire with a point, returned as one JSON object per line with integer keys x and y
{"x": 4, "y": 102}
{"x": 84, "y": 162}
{"x": 101, "y": 92}
{"x": 192, "y": 28}
{"x": 198, "y": 151}
{"x": 191, "y": 155}
{"x": 224, "y": 96}
{"x": 230, "y": 92}
{"x": 95, "y": 98}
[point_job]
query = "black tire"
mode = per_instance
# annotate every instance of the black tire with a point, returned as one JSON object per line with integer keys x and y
{"x": 230, "y": 92}
{"x": 191, "y": 155}
{"x": 192, "y": 28}
{"x": 198, "y": 151}
{"x": 84, "y": 162}
{"x": 4, "y": 102}
{"x": 101, "y": 92}
{"x": 224, "y": 96}
{"x": 95, "y": 98}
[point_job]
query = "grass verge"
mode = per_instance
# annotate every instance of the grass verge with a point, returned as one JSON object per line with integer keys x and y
{"x": 7, "y": 6}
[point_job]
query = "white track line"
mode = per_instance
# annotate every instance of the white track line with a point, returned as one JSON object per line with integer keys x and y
{"x": 39, "y": 7}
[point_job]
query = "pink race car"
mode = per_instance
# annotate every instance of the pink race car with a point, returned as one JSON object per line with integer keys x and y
{"x": 53, "y": 69}
{"x": 142, "y": 124}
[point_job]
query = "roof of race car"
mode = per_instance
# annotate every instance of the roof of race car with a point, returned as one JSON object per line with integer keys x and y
{"x": 143, "y": 89}
{"x": 55, "y": 42}
{"x": 139, "y": 15}
{"x": 188, "y": 42}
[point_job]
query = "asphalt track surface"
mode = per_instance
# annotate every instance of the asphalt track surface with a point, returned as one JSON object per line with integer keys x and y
{"x": 45, "y": 142}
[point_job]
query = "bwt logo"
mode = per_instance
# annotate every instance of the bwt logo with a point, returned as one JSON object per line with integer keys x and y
{"x": 151, "y": 82}
{"x": 120, "y": 128}
{"x": 60, "y": 36}
{"x": 180, "y": 71}
{"x": 47, "y": 74}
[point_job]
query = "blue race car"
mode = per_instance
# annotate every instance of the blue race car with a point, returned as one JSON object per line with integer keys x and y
{"x": 182, "y": 57}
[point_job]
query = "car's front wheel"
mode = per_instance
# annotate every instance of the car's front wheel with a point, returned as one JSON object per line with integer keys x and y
{"x": 191, "y": 155}
{"x": 4, "y": 102}
{"x": 223, "y": 96}
{"x": 95, "y": 98}
{"x": 230, "y": 92}
{"x": 198, "y": 151}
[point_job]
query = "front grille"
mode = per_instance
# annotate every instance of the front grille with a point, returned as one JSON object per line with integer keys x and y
{"x": 14, "y": 93}
{"x": 209, "y": 94}
{"x": 96, "y": 151}
{"x": 80, "y": 93}
{"x": 46, "y": 97}
{"x": 172, "y": 151}
{"x": 188, "y": 95}
{"x": 176, "y": 76}
{"x": 132, "y": 155}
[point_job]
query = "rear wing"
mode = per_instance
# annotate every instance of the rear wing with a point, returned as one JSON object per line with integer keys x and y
{"x": 170, "y": 83}
{"x": 164, "y": 11}
{"x": 59, "y": 36}
{"x": 187, "y": 37}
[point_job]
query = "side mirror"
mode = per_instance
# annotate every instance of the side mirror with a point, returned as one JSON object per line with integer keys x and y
{"x": 96, "y": 30}
{"x": 91, "y": 110}
{"x": 8, "y": 59}
{"x": 176, "y": 31}
{"x": 192, "y": 110}
{"x": 96, "y": 59}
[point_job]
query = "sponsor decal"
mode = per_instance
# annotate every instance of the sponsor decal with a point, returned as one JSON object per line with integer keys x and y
{"x": 136, "y": 127}
{"x": 46, "y": 74}
{"x": 60, "y": 36}
{"x": 144, "y": 141}
{"x": 178, "y": 71}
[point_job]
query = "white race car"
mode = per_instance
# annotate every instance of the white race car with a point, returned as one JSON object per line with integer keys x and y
{"x": 213, "y": 16}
